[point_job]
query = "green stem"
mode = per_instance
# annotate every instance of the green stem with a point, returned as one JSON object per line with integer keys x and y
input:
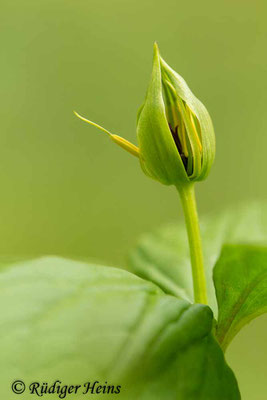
{"x": 187, "y": 195}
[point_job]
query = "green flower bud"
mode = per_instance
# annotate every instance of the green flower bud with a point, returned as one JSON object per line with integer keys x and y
{"x": 175, "y": 132}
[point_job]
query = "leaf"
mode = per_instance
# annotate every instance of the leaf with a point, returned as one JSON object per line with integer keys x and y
{"x": 163, "y": 256}
{"x": 240, "y": 278}
{"x": 74, "y": 322}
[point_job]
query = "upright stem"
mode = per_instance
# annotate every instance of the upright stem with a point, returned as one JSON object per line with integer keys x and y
{"x": 187, "y": 195}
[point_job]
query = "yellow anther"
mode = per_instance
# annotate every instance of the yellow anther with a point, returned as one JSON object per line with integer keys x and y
{"x": 194, "y": 128}
{"x": 125, "y": 144}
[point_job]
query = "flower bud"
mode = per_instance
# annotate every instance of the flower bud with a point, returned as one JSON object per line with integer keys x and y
{"x": 174, "y": 129}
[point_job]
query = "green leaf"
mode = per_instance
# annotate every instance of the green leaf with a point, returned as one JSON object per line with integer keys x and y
{"x": 74, "y": 322}
{"x": 163, "y": 256}
{"x": 240, "y": 278}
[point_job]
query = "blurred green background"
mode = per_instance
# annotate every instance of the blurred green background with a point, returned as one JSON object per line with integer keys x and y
{"x": 65, "y": 188}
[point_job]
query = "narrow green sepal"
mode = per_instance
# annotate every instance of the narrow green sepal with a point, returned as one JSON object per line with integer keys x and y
{"x": 157, "y": 147}
{"x": 202, "y": 118}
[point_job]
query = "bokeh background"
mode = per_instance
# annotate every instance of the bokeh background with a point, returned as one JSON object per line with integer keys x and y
{"x": 65, "y": 188}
